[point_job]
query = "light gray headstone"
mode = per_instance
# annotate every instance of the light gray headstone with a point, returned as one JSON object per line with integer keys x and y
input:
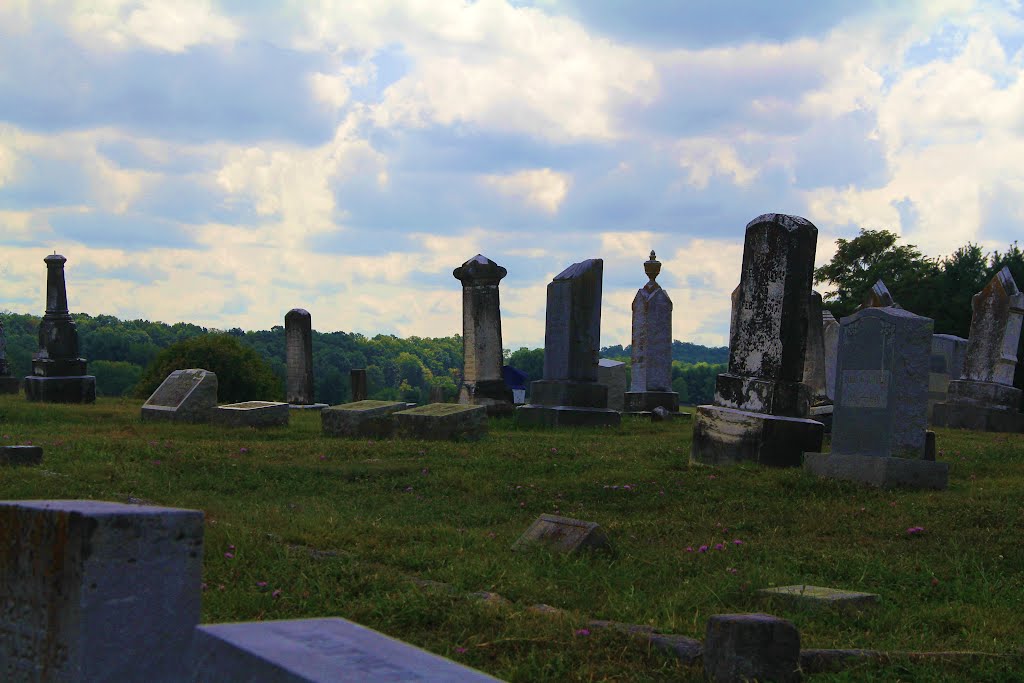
{"x": 995, "y": 331}
{"x": 612, "y": 374}
{"x": 814, "y": 360}
{"x": 652, "y": 335}
{"x": 830, "y": 341}
{"x": 298, "y": 337}
{"x": 185, "y": 396}
{"x": 572, "y": 333}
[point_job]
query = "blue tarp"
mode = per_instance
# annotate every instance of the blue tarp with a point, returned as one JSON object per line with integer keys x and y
{"x": 514, "y": 379}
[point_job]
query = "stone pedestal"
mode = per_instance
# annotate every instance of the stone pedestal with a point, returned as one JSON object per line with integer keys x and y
{"x": 361, "y": 418}
{"x": 8, "y": 384}
{"x": 442, "y": 421}
{"x": 646, "y": 401}
{"x": 725, "y": 436}
{"x": 886, "y": 473}
{"x": 533, "y": 415}
{"x": 482, "y": 381}
{"x": 982, "y": 406}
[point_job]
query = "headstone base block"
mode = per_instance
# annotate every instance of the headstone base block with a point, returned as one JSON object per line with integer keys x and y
{"x": 557, "y": 392}
{"x": 252, "y": 414}
{"x": 307, "y": 406}
{"x": 442, "y": 421}
{"x": 978, "y": 418}
{"x": 21, "y": 455}
{"x": 494, "y": 395}
{"x": 725, "y": 436}
{"x": 76, "y": 389}
{"x": 533, "y": 415}
{"x": 646, "y": 401}
{"x": 879, "y": 471}
{"x": 361, "y": 418}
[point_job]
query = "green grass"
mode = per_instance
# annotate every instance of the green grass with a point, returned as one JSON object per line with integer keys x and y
{"x": 346, "y": 527}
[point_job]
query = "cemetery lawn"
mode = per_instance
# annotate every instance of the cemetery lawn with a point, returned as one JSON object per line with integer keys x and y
{"x": 397, "y": 535}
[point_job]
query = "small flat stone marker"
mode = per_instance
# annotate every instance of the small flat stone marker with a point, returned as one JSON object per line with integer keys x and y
{"x": 819, "y": 596}
{"x": 252, "y": 414}
{"x": 440, "y": 421}
{"x": 563, "y": 534}
{"x": 360, "y": 418}
{"x": 21, "y": 455}
{"x": 741, "y": 647}
{"x": 316, "y": 651}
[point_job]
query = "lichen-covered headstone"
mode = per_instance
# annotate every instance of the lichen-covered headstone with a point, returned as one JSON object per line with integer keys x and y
{"x": 878, "y": 297}
{"x": 298, "y": 340}
{"x": 651, "y": 382}
{"x": 482, "y": 381}
{"x": 946, "y": 365}
{"x": 252, "y": 414}
{"x": 361, "y": 418}
{"x": 442, "y": 421}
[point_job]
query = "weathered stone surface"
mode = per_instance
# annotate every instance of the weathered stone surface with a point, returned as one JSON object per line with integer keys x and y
{"x": 878, "y": 297}
{"x": 572, "y": 333}
{"x": 652, "y": 334}
{"x": 995, "y": 331}
{"x": 298, "y": 340}
{"x": 96, "y": 591}
{"x": 978, "y": 417}
{"x": 830, "y": 340}
{"x": 315, "y": 651}
{"x": 819, "y": 596}
{"x": 882, "y": 383}
{"x": 359, "y": 388}
{"x": 534, "y": 415}
{"x": 442, "y": 421}
{"x": 689, "y": 651}
{"x": 946, "y": 364}
{"x": 185, "y": 396}
{"x": 814, "y": 359}
{"x": 568, "y": 393}
{"x": 823, "y": 414}
{"x": 740, "y": 647}
{"x": 612, "y": 374}
{"x": 482, "y": 381}
{"x": 252, "y": 414}
{"x": 361, "y": 418}
{"x": 647, "y": 401}
{"x": 725, "y": 436}
{"x": 21, "y": 455}
{"x": 881, "y": 472}
{"x": 563, "y": 535}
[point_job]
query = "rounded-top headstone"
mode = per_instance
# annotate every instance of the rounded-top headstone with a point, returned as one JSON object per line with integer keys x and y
{"x": 297, "y": 313}
{"x": 479, "y": 270}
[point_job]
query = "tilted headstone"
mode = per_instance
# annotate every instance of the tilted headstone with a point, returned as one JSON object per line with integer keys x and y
{"x": 814, "y": 359}
{"x": 879, "y": 425}
{"x": 96, "y": 591}
{"x": 651, "y": 380}
{"x": 563, "y": 535}
{"x": 482, "y": 381}
{"x": 58, "y": 373}
{"x": 878, "y": 297}
{"x": 298, "y": 345}
{"x": 359, "y": 388}
{"x": 985, "y": 398}
{"x": 8, "y": 384}
{"x": 252, "y": 414}
{"x": 830, "y": 340}
{"x": 761, "y": 404}
{"x": 185, "y": 396}
{"x": 572, "y": 336}
{"x": 612, "y": 374}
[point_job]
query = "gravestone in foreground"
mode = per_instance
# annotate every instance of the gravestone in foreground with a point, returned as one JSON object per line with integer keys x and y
{"x": 8, "y": 384}
{"x": 563, "y": 534}
{"x": 252, "y": 414}
{"x": 878, "y": 429}
{"x": 482, "y": 380}
{"x": 21, "y": 455}
{"x": 570, "y": 394}
{"x": 612, "y": 374}
{"x": 96, "y": 591}
{"x": 761, "y": 404}
{"x": 58, "y": 373}
{"x": 741, "y": 647}
{"x": 298, "y": 347}
{"x": 185, "y": 396}
{"x": 651, "y": 380}
{"x": 985, "y": 398}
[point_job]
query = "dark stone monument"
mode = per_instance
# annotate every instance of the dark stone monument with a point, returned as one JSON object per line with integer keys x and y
{"x": 570, "y": 394}
{"x": 985, "y": 398}
{"x": 358, "y": 377}
{"x": 878, "y": 429}
{"x": 751, "y": 647}
{"x": 651, "y": 383}
{"x": 8, "y": 384}
{"x": 298, "y": 339}
{"x": 482, "y": 380}
{"x": 761, "y": 405}
{"x": 58, "y": 374}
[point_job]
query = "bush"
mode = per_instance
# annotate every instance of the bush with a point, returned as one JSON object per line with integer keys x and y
{"x": 242, "y": 375}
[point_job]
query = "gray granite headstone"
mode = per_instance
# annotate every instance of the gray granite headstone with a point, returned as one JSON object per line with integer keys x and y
{"x": 329, "y": 650}
{"x": 298, "y": 340}
{"x": 651, "y": 382}
{"x": 21, "y": 455}
{"x": 482, "y": 381}
{"x": 96, "y": 591}
{"x": 612, "y": 374}
{"x": 185, "y": 396}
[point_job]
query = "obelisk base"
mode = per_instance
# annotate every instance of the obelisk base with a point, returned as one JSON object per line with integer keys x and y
{"x": 646, "y": 401}
{"x": 725, "y": 436}
{"x": 494, "y": 395}
{"x": 76, "y": 389}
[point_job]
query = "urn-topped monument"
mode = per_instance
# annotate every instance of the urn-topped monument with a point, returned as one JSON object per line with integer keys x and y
{"x": 58, "y": 373}
{"x": 651, "y": 384}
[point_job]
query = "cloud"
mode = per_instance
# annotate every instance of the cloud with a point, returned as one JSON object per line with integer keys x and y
{"x": 540, "y": 188}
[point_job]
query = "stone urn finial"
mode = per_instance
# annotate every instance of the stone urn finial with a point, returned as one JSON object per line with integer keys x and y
{"x": 652, "y": 267}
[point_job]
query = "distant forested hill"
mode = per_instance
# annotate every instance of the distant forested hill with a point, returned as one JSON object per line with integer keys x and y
{"x": 684, "y": 352}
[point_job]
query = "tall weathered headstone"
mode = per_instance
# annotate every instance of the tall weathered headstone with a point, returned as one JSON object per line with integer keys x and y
{"x": 58, "y": 373}
{"x": 482, "y": 381}
{"x": 298, "y": 341}
{"x": 814, "y": 359}
{"x": 651, "y": 383}
{"x": 985, "y": 398}
{"x": 761, "y": 405}
{"x": 830, "y": 340}
{"x": 878, "y": 428}
{"x": 947, "y": 364}
{"x": 8, "y": 384}
{"x": 359, "y": 387}
{"x": 570, "y": 394}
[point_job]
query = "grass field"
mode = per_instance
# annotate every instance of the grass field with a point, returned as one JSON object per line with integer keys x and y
{"x": 299, "y": 525}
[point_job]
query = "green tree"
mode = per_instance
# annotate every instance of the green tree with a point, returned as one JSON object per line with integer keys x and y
{"x": 242, "y": 375}
{"x": 115, "y": 377}
{"x": 530, "y": 361}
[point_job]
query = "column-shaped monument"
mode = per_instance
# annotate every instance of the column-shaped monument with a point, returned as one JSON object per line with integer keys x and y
{"x": 651, "y": 384}
{"x": 761, "y": 404}
{"x": 298, "y": 351}
{"x": 985, "y": 398}
{"x": 58, "y": 374}
{"x": 570, "y": 394}
{"x": 8, "y": 384}
{"x": 482, "y": 381}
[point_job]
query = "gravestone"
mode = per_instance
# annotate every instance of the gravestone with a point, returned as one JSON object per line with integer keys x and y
{"x": 436, "y": 394}
{"x": 612, "y": 374}
{"x": 252, "y": 414}
{"x": 814, "y": 360}
{"x": 21, "y": 455}
{"x": 830, "y": 340}
{"x": 651, "y": 379}
{"x": 985, "y": 398}
{"x": 572, "y": 336}
{"x": 751, "y": 647}
{"x": 946, "y": 365}
{"x": 58, "y": 373}
{"x": 298, "y": 347}
{"x": 361, "y": 419}
{"x": 359, "y": 392}
{"x": 325, "y": 650}
{"x": 185, "y": 396}
{"x": 878, "y": 297}
{"x": 563, "y": 535}
{"x": 8, "y": 384}
{"x": 482, "y": 381}
{"x": 878, "y": 428}
{"x": 819, "y": 596}
{"x": 442, "y": 421}
{"x": 761, "y": 405}
{"x": 96, "y": 591}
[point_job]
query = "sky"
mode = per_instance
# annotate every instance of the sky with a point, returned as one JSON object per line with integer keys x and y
{"x": 220, "y": 163}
